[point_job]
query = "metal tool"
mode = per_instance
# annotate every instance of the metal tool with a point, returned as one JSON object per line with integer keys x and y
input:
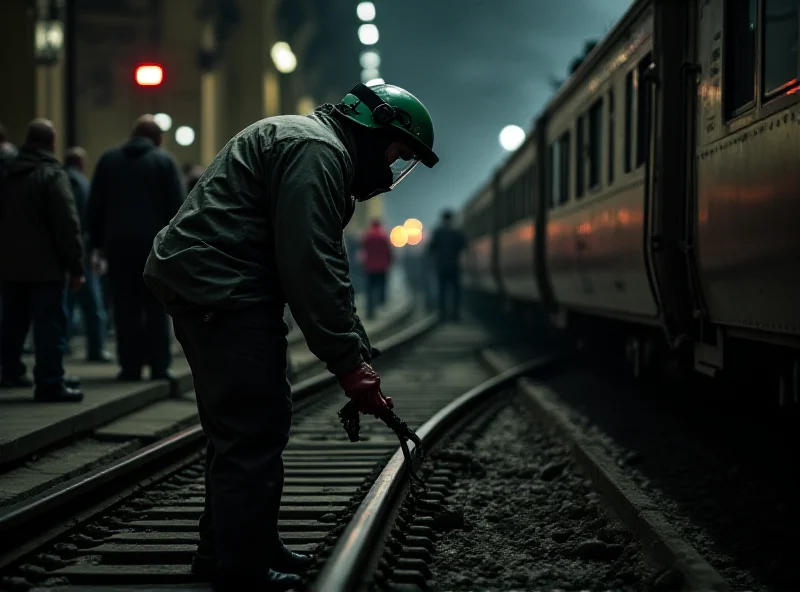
{"x": 349, "y": 417}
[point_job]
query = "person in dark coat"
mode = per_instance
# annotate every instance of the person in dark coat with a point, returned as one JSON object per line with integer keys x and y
{"x": 7, "y": 150}
{"x": 41, "y": 244}
{"x": 89, "y": 298}
{"x": 136, "y": 190}
{"x": 263, "y": 227}
{"x": 445, "y": 249}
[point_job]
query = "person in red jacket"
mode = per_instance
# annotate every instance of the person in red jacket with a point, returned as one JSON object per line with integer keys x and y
{"x": 376, "y": 259}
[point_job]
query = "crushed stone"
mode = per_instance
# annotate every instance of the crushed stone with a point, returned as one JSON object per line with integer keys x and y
{"x": 530, "y": 520}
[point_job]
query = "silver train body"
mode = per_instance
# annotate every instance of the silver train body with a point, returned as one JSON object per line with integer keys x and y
{"x": 660, "y": 187}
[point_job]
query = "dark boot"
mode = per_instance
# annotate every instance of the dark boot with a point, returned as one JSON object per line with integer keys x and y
{"x": 57, "y": 393}
{"x": 288, "y": 561}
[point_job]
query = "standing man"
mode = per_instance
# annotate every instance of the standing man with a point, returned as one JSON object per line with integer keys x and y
{"x": 136, "y": 190}
{"x": 445, "y": 250}
{"x": 88, "y": 298}
{"x": 40, "y": 244}
{"x": 265, "y": 226}
{"x": 376, "y": 259}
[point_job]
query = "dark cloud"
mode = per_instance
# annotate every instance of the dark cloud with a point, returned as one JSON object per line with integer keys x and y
{"x": 478, "y": 65}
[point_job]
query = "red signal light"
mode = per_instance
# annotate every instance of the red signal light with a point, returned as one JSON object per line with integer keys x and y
{"x": 149, "y": 75}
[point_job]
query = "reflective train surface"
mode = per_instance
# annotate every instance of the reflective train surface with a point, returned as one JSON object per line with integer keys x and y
{"x": 658, "y": 193}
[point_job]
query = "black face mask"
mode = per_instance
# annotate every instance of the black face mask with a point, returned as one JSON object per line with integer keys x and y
{"x": 373, "y": 174}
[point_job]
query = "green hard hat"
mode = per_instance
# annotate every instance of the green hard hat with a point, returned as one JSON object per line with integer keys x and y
{"x": 384, "y": 105}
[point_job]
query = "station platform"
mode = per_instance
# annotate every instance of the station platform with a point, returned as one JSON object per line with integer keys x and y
{"x": 113, "y": 412}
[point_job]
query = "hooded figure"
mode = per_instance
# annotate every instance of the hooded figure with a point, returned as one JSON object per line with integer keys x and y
{"x": 263, "y": 227}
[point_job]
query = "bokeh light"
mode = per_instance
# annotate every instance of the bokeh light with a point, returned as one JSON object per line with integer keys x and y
{"x": 415, "y": 236}
{"x": 412, "y": 223}
{"x": 512, "y": 137}
{"x": 398, "y": 236}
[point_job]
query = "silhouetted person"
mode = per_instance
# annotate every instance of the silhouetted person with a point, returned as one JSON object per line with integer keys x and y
{"x": 136, "y": 190}
{"x": 193, "y": 174}
{"x": 7, "y": 150}
{"x": 89, "y": 298}
{"x": 445, "y": 249}
{"x": 40, "y": 244}
{"x": 376, "y": 260}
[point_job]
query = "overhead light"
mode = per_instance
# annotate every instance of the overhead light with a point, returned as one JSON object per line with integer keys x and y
{"x": 368, "y": 34}
{"x": 366, "y": 11}
{"x": 369, "y": 74}
{"x": 282, "y": 56}
{"x": 512, "y": 137}
{"x": 370, "y": 59}
{"x": 184, "y": 135}
{"x": 163, "y": 121}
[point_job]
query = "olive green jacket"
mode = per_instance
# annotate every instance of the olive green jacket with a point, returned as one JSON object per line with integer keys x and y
{"x": 264, "y": 225}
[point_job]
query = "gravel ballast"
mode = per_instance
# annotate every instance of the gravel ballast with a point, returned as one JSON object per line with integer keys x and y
{"x": 531, "y": 520}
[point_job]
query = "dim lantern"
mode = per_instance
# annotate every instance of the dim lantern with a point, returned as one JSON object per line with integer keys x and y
{"x": 149, "y": 75}
{"x": 398, "y": 236}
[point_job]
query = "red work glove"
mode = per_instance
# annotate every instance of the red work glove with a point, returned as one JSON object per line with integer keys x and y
{"x": 363, "y": 386}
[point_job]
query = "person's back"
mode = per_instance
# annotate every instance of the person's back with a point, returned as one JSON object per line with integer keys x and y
{"x": 136, "y": 190}
{"x": 446, "y": 246}
{"x": 219, "y": 251}
{"x": 38, "y": 225}
{"x": 40, "y": 242}
{"x": 377, "y": 250}
{"x": 445, "y": 251}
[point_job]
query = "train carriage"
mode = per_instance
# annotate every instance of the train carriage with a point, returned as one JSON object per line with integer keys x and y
{"x": 515, "y": 204}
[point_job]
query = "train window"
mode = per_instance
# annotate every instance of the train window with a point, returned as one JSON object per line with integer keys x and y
{"x": 564, "y": 161}
{"x": 628, "y": 121}
{"x": 642, "y": 111}
{"x": 595, "y": 142}
{"x": 611, "y": 133}
{"x": 740, "y": 55}
{"x": 780, "y": 44}
{"x": 555, "y": 174}
{"x": 580, "y": 161}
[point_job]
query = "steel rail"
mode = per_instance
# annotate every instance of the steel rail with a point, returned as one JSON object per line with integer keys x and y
{"x": 74, "y": 491}
{"x": 349, "y": 563}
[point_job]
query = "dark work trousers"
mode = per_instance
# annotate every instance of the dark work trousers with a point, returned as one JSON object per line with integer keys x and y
{"x": 42, "y": 303}
{"x": 142, "y": 326}
{"x": 449, "y": 284}
{"x": 376, "y": 292}
{"x": 238, "y": 362}
{"x": 93, "y": 313}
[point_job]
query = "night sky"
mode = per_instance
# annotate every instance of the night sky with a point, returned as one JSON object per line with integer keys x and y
{"x": 478, "y": 65}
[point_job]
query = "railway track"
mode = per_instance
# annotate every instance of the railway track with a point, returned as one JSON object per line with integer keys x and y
{"x": 134, "y": 523}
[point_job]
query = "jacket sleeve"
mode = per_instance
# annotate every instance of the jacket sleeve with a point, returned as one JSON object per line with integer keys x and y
{"x": 96, "y": 208}
{"x": 310, "y": 195}
{"x": 63, "y": 218}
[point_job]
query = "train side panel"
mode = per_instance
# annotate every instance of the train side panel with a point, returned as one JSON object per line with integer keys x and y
{"x": 477, "y": 256}
{"x": 748, "y": 177}
{"x": 517, "y": 194}
{"x": 596, "y": 211}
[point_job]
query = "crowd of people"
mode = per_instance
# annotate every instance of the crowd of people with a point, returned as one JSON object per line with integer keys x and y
{"x": 81, "y": 245}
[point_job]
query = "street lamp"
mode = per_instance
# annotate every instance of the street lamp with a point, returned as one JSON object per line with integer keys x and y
{"x": 368, "y": 34}
{"x": 285, "y": 61}
{"x": 511, "y": 137}
{"x": 366, "y": 11}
